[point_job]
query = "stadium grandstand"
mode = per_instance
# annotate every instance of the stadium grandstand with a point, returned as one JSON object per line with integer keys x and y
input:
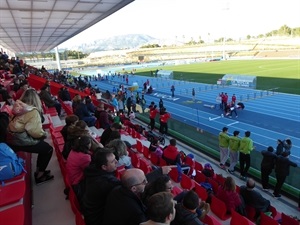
{"x": 22, "y": 202}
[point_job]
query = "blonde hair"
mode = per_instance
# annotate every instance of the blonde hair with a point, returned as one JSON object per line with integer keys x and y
{"x": 30, "y": 97}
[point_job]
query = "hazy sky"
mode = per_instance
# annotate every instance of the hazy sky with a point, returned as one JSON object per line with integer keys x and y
{"x": 194, "y": 18}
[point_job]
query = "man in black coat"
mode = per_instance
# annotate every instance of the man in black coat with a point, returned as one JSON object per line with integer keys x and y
{"x": 105, "y": 137}
{"x": 100, "y": 180}
{"x": 124, "y": 205}
{"x": 267, "y": 165}
{"x": 254, "y": 198}
{"x": 282, "y": 170}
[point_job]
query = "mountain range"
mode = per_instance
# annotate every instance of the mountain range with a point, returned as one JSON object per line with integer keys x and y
{"x": 121, "y": 42}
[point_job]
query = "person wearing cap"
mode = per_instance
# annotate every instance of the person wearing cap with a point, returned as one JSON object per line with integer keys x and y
{"x": 223, "y": 145}
{"x": 234, "y": 145}
{"x": 267, "y": 165}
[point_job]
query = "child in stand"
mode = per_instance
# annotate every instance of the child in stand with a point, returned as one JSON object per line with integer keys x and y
{"x": 155, "y": 147}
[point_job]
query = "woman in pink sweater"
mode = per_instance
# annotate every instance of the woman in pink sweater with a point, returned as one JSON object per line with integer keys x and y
{"x": 78, "y": 159}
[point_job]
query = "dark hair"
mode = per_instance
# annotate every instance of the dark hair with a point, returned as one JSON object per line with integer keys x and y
{"x": 225, "y": 129}
{"x": 173, "y": 142}
{"x": 71, "y": 119}
{"x": 247, "y": 133}
{"x": 81, "y": 124}
{"x": 82, "y": 144}
{"x": 190, "y": 200}
{"x": 160, "y": 206}
{"x": 288, "y": 141}
{"x": 236, "y": 132}
{"x": 116, "y": 126}
{"x": 100, "y": 157}
{"x": 158, "y": 185}
{"x": 270, "y": 149}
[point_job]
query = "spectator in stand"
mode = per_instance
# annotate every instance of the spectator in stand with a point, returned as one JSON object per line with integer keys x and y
{"x": 79, "y": 158}
{"x": 227, "y": 193}
{"x": 48, "y": 99}
{"x": 186, "y": 212}
{"x": 65, "y": 96}
{"x": 161, "y": 184}
{"x": 120, "y": 151}
{"x": 172, "y": 156}
{"x": 152, "y": 114}
{"x": 164, "y": 117}
{"x": 90, "y": 105}
{"x": 105, "y": 137}
{"x": 161, "y": 209}
{"x": 70, "y": 120}
{"x": 28, "y": 134}
{"x": 83, "y": 113}
{"x": 253, "y": 198}
{"x": 155, "y": 147}
{"x": 282, "y": 170}
{"x": 234, "y": 145}
{"x": 114, "y": 102}
{"x": 23, "y": 87}
{"x": 121, "y": 104}
{"x": 73, "y": 133}
{"x": 129, "y": 105}
{"x": 5, "y": 96}
{"x": 267, "y": 165}
{"x": 76, "y": 101}
{"x": 102, "y": 116}
{"x": 246, "y": 147}
{"x": 99, "y": 181}
{"x": 223, "y": 145}
{"x": 126, "y": 200}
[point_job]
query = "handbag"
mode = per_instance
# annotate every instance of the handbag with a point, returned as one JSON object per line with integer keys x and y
{"x": 21, "y": 139}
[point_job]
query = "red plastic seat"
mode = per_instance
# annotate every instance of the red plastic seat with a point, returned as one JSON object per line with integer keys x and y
{"x": 176, "y": 190}
{"x": 174, "y": 175}
{"x": 287, "y": 220}
{"x": 219, "y": 178}
{"x": 162, "y": 162}
{"x": 186, "y": 182}
{"x": 145, "y": 166}
{"x": 215, "y": 185}
{"x": 120, "y": 170}
{"x": 266, "y": 220}
{"x": 12, "y": 216}
{"x": 12, "y": 192}
{"x": 211, "y": 220}
{"x": 146, "y": 152}
{"x": 251, "y": 213}
{"x": 200, "y": 177}
{"x": 238, "y": 219}
{"x": 154, "y": 159}
{"x": 135, "y": 160}
{"x": 275, "y": 214}
{"x": 219, "y": 208}
{"x": 139, "y": 146}
{"x": 201, "y": 191}
{"x": 198, "y": 166}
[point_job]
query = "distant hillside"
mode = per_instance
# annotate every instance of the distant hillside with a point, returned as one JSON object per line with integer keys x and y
{"x": 120, "y": 42}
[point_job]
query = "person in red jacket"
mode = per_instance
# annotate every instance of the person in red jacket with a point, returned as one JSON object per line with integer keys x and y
{"x": 164, "y": 117}
{"x": 152, "y": 114}
{"x": 171, "y": 153}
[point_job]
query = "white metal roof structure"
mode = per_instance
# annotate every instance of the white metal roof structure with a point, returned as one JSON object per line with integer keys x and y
{"x": 41, "y": 25}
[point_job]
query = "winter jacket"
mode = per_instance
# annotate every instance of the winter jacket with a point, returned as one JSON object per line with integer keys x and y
{"x": 171, "y": 155}
{"x": 26, "y": 118}
{"x": 254, "y": 199}
{"x": 99, "y": 184}
{"x": 231, "y": 198}
{"x": 282, "y": 166}
{"x": 47, "y": 98}
{"x": 268, "y": 161}
{"x": 223, "y": 140}
{"x": 184, "y": 216}
{"x": 164, "y": 117}
{"x": 123, "y": 207}
{"x": 234, "y": 143}
{"x": 246, "y": 145}
{"x": 76, "y": 163}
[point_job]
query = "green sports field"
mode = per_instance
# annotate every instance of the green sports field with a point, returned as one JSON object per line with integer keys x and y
{"x": 281, "y": 74}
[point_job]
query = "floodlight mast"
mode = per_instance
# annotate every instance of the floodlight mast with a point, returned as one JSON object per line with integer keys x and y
{"x": 226, "y": 8}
